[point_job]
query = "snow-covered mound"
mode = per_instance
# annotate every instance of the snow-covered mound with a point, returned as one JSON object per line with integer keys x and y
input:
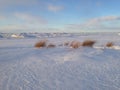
{"x": 34, "y": 35}
{"x": 23, "y": 67}
{"x": 52, "y": 35}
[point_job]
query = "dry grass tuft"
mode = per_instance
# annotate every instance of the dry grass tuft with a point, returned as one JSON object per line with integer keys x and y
{"x": 109, "y": 44}
{"x": 88, "y": 43}
{"x": 75, "y": 44}
{"x": 40, "y": 44}
{"x": 51, "y": 46}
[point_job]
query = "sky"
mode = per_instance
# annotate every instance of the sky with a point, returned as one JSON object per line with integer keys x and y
{"x": 59, "y": 15}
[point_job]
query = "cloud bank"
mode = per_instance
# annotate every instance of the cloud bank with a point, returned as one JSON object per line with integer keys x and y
{"x": 100, "y": 23}
{"x": 54, "y": 8}
{"x": 22, "y": 21}
{"x": 30, "y": 19}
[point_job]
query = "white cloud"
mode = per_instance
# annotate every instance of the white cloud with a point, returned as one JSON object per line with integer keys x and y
{"x": 25, "y": 28}
{"x": 97, "y": 24}
{"x": 103, "y": 19}
{"x": 23, "y": 22}
{"x": 12, "y": 27}
{"x": 30, "y": 19}
{"x": 55, "y": 8}
{"x": 20, "y": 28}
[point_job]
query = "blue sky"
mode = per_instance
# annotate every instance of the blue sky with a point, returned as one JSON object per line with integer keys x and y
{"x": 59, "y": 15}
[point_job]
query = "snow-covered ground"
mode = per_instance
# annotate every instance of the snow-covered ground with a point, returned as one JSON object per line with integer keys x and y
{"x": 23, "y": 67}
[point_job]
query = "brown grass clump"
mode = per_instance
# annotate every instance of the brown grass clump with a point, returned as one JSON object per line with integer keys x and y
{"x": 109, "y": 44}
{"x": 40, "y": 44}
{"x": 75, "y": 44}
{"x": 88, "y": 43}
{"x": 51, "y": 46}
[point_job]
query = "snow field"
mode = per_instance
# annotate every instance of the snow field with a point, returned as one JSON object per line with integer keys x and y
{"x": 23, "y": 67}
